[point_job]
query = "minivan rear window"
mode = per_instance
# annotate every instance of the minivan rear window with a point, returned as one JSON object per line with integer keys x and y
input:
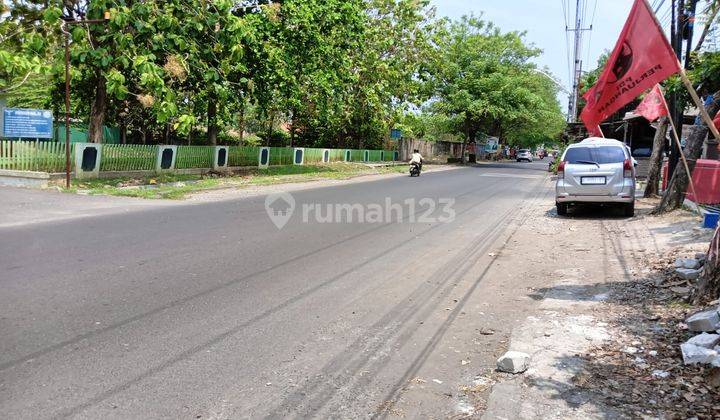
{"x": 601, "y": 154}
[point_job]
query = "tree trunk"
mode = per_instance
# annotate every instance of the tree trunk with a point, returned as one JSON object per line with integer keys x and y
{"x": 656, "y": 159}
{"x": 98, "y": 110}
{"x": 465, "y": 140}
{"x": 292, "y": 132}
{"x": 241, "y": 122}
{"x": 675, "y": 194}
{"x": 212, "y": 120}
{"x": 708, "y": 287}
{"x": 270, "y": 122}
{"x": 123, "y": 134}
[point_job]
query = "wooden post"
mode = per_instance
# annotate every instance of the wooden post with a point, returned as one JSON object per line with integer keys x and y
{"x": 701, "y": 107}
{"x": 679, "y": 145}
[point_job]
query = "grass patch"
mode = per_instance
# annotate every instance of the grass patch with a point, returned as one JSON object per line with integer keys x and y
{"x": 175, "y": 187}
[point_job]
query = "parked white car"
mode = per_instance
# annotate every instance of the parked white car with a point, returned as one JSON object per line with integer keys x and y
{"x": 596, "y": 170}
{"x": 524, "y": 154}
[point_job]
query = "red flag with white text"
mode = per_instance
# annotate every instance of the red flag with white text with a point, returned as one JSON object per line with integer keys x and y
{"x": 642, "y": 58}
{"x": 652, "y": 106}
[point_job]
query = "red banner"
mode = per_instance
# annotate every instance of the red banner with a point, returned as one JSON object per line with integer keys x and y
{"x": 652, "y": 106}
{"x": 642, "y": 58}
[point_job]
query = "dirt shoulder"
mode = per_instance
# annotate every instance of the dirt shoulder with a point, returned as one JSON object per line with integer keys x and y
{"x": 254, "y": 180}
{"x": 232, "y": 192}
{"x": 605, "y": 338}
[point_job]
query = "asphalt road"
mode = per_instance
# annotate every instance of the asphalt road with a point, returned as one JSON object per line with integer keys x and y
{"x": 209, "y": 310}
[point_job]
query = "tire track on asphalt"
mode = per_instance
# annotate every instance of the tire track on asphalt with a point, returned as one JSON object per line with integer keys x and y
{"x": 345, "y": 366}
{"x": 362, "y": 354}
{"x": 400, "y": 385}
{"x": 203, "y": 293}
{"x": 195, "y": 349}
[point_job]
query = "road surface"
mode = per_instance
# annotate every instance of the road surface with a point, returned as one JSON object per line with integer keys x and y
{"x": 210, "y": 311}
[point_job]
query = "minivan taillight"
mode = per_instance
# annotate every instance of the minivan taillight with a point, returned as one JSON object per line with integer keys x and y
{"x": 627, "y": 168}
{"x": 561, "y": 169}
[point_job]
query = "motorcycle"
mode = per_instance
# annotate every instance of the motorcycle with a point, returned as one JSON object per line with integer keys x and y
{"x": 414, "y": 169}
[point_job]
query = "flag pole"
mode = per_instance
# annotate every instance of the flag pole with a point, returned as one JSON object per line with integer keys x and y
{"x": 688, "y": 84}
{"x": 679, "y": 145}
{"x": 701, "y": 107}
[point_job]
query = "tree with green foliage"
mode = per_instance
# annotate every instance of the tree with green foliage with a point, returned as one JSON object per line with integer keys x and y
{"x": 485, "y": 80}
{"x": 336, "y": 72}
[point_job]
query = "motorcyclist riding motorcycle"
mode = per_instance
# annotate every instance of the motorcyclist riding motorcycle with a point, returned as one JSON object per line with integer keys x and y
{"x": 416, "y": 160}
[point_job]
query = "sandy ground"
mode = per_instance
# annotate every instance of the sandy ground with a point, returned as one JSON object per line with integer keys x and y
{"x": 584, "y": 261}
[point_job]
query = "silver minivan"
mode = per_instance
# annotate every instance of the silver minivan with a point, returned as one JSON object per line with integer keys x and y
{"x": 596, "y": 170}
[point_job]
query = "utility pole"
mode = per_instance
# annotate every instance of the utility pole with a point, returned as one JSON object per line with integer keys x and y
{"x": 690, "y": 28}
{"x": 577, "y": 63}
{"x": 676, "y": 111}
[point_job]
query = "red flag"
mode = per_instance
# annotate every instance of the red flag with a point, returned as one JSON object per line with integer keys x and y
{"x": 595, "y": 132}
{"x": 642, "y": 58}
{"x": 652, "y": 106}
{"x": 716, "y": 121}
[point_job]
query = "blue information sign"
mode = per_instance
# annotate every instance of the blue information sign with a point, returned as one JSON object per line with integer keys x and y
{"x": 27, "y": 123}
{"x": 395, "y": 133}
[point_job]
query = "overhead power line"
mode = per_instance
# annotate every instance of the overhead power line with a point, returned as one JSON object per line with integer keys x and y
{"x": 578, "y": 28}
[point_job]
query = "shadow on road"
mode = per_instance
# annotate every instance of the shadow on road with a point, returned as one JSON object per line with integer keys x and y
{"x": 593, "y": 212}
{"x": 537, "y": 166}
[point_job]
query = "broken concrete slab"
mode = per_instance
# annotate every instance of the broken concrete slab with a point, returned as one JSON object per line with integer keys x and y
{"x": 691, "y": 263}
{"x": 693, "y": 354}
{"x": 705, "y": 340}
{"x": 708, "y": 320}
{"x": 687, "y": 273}
{"x": 513, "y": 362}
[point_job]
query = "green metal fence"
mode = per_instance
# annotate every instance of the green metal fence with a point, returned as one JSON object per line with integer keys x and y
{"x": 281, "y": 155}
{"x": 337, "y": 155}
{"x": 243, "y": 155}
{"x": 128, "y": 157}
{"x": 313, "y": 155}
{"x": 356, "y": 155}
{"x": 43, "y": 156}
{"x": 194, "y": 157}
{"x": 374, "y": 155}
{"x": 49, "y": 156}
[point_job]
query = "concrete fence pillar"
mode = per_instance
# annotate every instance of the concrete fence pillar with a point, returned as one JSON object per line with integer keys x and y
{"x": 264, "y": 157}
{"x": 87, "y": 160}
{"x": 220, "y": 160}
{"x": 165, "y": 160}
{"x": 298, "y": 156}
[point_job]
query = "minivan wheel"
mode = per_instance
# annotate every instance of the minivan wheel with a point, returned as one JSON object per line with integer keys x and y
{"x": 629, "y": 209}
{"x": 562, "y": 208}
